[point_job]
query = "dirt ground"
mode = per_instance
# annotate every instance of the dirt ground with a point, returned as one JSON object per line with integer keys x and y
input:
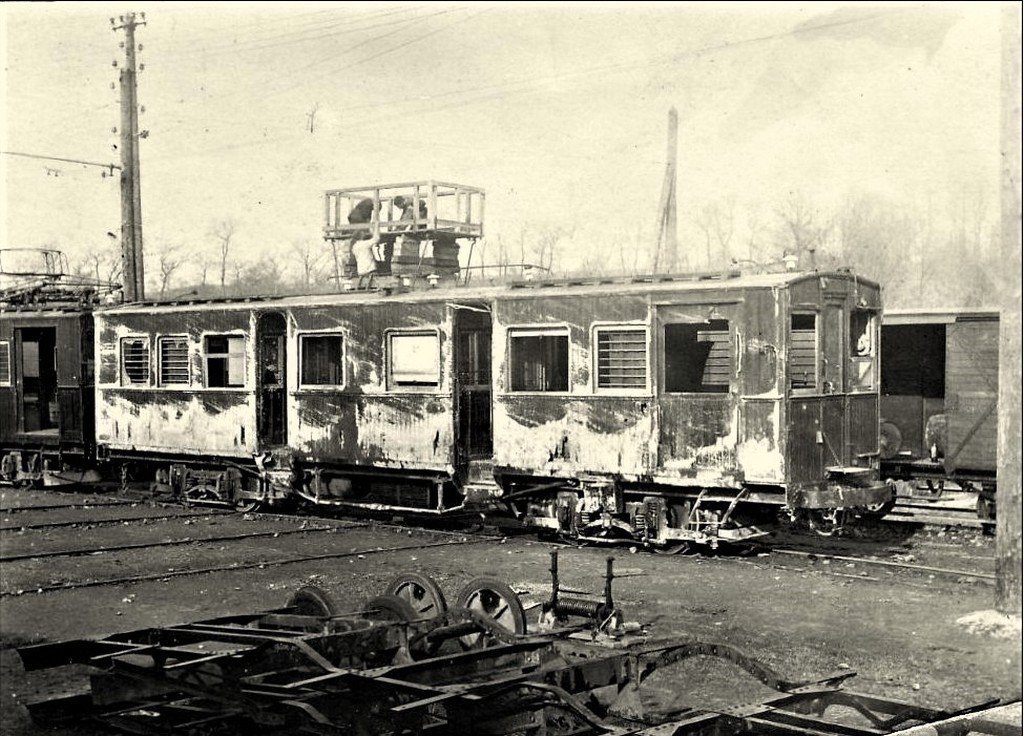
{"x": 898, "y": 632}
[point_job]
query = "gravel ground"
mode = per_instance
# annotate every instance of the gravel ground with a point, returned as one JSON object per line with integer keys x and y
{"x": 898, "y": 631}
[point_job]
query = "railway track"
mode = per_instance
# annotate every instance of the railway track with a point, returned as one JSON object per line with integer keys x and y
{"x": 106, "y": 549}
{"x": 262, "y": 564}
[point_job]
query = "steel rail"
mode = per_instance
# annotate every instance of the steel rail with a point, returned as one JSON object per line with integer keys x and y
{"x": 127, "y": 580}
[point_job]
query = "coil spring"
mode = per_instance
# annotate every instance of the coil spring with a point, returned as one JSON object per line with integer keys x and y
{"x": 577, "y": 607}
{"x": 640, "y": 520}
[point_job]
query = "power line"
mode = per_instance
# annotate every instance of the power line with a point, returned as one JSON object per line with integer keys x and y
{"x": 348, "y": 49}
{"x": 43, "y": 157}
{"x": 283, "y": 40}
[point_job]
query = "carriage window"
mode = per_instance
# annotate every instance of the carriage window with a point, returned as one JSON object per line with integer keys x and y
{"x": 803, "y": 352}
{"x": 621, "y": 358}
{"x": 322, "y": 360}
{"x": 862, "y": 350}
{"x": 698, "y": 357}
{"x": 135, "y": 361}
{"x": 5, "y": 363}
{"x": 173, "y": 357}
{"x": 539, "y": 361}
{"x": 225, "y": 361}
{"x": 415, "y": 360}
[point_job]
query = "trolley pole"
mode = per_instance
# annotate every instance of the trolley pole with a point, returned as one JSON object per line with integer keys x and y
{"x": 134, "y": 276}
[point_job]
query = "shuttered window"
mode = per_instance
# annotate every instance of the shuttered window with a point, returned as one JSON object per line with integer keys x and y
{"x": 135, "y": 361}
{"x": 173, "y": 356}
{"x": 621, "y": 358}
{"x": 803, "y": 352}
{"x": 5, "y": 363}
{"x": 698, "y": 357}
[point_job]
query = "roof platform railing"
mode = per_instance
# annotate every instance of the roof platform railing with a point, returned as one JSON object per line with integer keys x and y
{"x": 431, "y": 207}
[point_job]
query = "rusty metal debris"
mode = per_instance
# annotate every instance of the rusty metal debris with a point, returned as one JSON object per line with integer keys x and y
{"x": 406, "y": 663}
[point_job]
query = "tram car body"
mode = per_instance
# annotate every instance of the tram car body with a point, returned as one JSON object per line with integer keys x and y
{"x": 646, "y": 409}
{"x": 46, "y": 370}
{"x": 940, "y": 390}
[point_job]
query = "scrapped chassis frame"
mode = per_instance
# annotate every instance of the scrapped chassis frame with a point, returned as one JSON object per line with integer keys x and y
{"x": 398, "y": 668}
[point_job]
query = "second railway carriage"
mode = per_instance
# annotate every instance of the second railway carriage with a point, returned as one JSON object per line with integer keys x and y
{"x": 646, "y": 410}
{"x": 46, "y": 370}
{"x": 940, "y": 391}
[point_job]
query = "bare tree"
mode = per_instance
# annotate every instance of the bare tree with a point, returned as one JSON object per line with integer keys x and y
{"x": 309, "y": 257}
{"x": 169, "y": 262}
{"x": 804, "y": 229}
{"x": 223, "y": 231}
{"x": 717, "y": 221}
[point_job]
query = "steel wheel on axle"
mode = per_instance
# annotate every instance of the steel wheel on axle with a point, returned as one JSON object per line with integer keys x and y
{"x": 826, "y": 522}
{"x": 494, "y": 600}
{"x": 420, "y": 592}
{"x": 309, "y": 600}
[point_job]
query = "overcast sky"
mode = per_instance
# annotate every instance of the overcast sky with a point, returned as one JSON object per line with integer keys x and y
{"x": 559, "y": 112}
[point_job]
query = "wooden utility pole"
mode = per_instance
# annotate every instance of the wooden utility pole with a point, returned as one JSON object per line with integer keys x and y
{"x": 131, "y": 197}
{"x": 667, "y": 230}
{"x": 1008, "y": 480}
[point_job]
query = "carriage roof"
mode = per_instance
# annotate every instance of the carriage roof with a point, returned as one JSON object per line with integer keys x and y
{"x": 625, "y": 286}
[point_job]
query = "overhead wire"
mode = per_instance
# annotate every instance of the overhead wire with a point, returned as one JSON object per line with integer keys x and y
{"x": 277, "y": 40}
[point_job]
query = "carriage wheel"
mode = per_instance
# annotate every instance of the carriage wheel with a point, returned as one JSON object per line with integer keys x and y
{"x": 309, "y": 600}
{"x": 389, "y": 609}
{"x": 247, "y": 505}
{"x": 420, "y": 592}
{"x": 494, "y": 600}
{"x": 826, "y": 522}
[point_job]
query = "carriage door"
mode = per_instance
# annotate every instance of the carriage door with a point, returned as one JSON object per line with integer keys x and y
{"x": 833, "y": 401}
{"x": 696, "y": 368}
{"x": 473, "y": 383}
{"x": 40, "y": 411}
{"x": 271, "y": 393}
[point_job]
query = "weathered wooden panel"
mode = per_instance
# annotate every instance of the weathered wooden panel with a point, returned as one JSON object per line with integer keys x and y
{"x": 697, "y": 436}
{"x": 567, "y": 437}
{"x": 862, "y": 435}
{"x": 214, "y": 422}
{"x": 759, "y": 454}
{"x": 834, "y": 449}
{"x": 762, "y": 333}
{"x": 802, "y": 448}
{"x": 405, "y": 430}
{"x": 972, "y": 388}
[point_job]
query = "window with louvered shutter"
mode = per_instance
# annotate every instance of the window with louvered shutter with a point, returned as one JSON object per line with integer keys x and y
{"x": 698, "y": 357}
{"x": 173, "y": 361}
{"x": 135, "y": 361}
{"x": 5, "y": 363}
{"x": 621, "y": 358}
{"x": 803, "y": 352}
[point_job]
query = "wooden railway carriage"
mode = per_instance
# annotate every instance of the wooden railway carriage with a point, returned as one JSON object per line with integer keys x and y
{"x": 637, "y": 409}
{"x": 46, "y": 369}
{"x": 940, "y": 390}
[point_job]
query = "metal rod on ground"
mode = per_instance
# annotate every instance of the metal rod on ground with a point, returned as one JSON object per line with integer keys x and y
{"x": 886, "y": 563}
